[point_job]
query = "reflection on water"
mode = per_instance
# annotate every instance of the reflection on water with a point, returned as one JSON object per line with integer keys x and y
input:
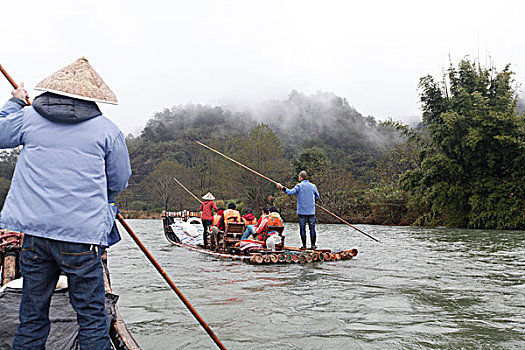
{"x": 418, "y": 289}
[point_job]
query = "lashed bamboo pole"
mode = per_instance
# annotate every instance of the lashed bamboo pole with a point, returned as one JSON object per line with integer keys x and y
{"x": 13, "y": 83}
{"x": 170, "y": 282}
{"x": 181, "y": 185}
{"x": 150, "y": 257}
{"x": 267, "y": 178}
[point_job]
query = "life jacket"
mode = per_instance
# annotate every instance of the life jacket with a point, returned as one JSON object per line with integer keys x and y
{"x": 253, "y": 221}
{"x": 274, "y": 221}
{"x": 262, "y": 218}
{"x": 231, "y": 215}
{"x": 216, "y": 219}
{"x": 270, "y": 221}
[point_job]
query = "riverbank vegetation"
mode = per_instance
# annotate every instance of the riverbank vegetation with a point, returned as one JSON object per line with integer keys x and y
{"x": 463, "y": 165}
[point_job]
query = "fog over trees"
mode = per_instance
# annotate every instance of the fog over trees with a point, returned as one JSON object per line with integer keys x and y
{"x": 463, "y": 165}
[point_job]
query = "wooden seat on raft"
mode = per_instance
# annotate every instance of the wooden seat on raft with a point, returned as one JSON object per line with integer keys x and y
{"x": 279, "y": 230}
{"x": 231, "y": 235}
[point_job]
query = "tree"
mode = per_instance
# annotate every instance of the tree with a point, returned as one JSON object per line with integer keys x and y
{"x": 4, "y": 189}
{"x": 162, "y": 190}
{"x": 473, "y": 166}
{"x": 262, "y": 152}
{"x": 312, "y": 160}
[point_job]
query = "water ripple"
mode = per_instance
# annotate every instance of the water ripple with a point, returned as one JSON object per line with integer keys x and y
{"x": 420, "y": 288}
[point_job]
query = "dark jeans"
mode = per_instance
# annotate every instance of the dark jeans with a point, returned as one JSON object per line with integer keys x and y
{"x": 205, "y": 225}
{"x": 41, "y": 261}
{"x": 303, "y": 219}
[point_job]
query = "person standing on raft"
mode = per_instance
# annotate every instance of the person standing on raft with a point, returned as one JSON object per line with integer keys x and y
{"x": 73, "y": 163}
{"x": 207, "y": 215}
{"x": 306, "y": 195}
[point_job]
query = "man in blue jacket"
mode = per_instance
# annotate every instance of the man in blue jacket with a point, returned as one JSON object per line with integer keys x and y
{"x": 74, "y": 161}
{"x": 306, "y": 195}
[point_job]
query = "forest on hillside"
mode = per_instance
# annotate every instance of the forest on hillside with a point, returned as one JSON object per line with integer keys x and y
{"x": 462, "y": 166}
{"x": 347, "y": 156}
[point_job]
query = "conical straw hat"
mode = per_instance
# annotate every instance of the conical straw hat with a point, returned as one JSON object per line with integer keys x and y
{"x": 78, "y": 80}
{"x": 208, "y": 197}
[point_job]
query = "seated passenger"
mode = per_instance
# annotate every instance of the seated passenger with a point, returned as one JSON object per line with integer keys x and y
{"x": 217, "y": 217}
{"x": 264, "y": 214}
{"x": 249, "y": 218}
{"x": 259, "y": 231}
{"x": 229, "y": 215}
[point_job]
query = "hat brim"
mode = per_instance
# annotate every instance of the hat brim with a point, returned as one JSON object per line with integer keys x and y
{"x": 76, "y": 96}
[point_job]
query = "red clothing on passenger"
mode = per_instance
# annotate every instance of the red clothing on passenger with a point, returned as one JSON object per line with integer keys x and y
{"x": 249, "y": 219}
{"x": 206, "y": 208}
{"x": 264, "y": 216}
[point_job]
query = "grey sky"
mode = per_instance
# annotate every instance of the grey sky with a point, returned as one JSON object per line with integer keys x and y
{"x": 156, "y": 54}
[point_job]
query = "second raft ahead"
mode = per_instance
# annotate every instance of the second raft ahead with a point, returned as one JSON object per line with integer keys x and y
{"x": 184, "y": 229}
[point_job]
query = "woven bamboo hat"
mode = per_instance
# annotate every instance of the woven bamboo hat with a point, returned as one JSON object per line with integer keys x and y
{"x": 78, "y": 80}
{"x": 208, "y": 197}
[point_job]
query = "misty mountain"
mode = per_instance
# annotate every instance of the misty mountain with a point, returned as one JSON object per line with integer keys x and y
{"x": 326, "y": 120}
{"x": 301, "y": 121}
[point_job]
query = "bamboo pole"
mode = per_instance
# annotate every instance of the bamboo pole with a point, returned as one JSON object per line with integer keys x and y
{"x": 181, "y": 185}
{"x": 267, "y": 178}
{"x": 170, "y": 282}
{"x": 13, "y": 83}
{"x": 150, "y": 257}
{"x": 236, "y": 162}
{"x": 329, "y": 212}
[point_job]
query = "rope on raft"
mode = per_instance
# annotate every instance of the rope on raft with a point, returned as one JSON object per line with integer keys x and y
{"x": 5, "y": 241}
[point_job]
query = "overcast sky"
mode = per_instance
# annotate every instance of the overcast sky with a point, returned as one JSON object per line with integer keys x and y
{"x": 156, "y": 54}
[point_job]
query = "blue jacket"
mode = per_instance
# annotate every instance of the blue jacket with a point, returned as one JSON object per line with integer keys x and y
{"x": 306, "y": 195}
{"x": 74, "y": 161}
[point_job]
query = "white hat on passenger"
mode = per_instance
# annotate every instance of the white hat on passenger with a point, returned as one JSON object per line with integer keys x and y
{"x": 208, "y": 197}
{"x": 78, "y": 80}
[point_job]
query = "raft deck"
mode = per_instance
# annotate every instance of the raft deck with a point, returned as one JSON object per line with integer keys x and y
{"x": 285, "y": 255}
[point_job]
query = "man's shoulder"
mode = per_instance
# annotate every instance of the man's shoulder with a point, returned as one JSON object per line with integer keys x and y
{"x": 307, "y": 183}
{"x": 106, "y": 123}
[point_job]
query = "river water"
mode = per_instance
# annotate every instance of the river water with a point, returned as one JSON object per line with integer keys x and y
{"x": 419, "y": 288}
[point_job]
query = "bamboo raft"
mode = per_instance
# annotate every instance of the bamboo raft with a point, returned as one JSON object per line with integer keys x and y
{"x": 10, "y": 247}
{"x": 225, "y": 249}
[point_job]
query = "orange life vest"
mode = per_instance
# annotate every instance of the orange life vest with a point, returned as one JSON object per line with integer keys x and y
{"x": 231, "y": 215}
{"x": 270, "y": 221}
{"x": 216, "y": 219}
{"x": 274, "y": 221}
{"x": 250, "y": 222}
